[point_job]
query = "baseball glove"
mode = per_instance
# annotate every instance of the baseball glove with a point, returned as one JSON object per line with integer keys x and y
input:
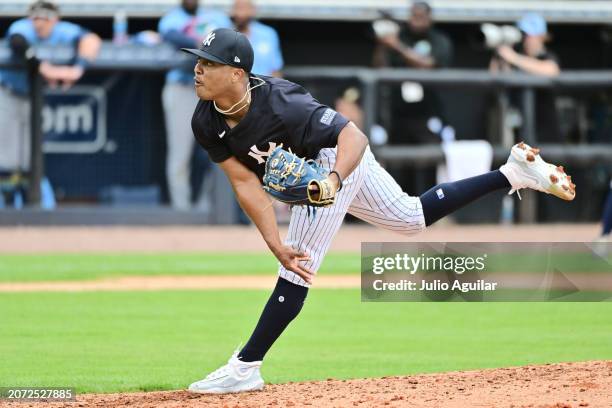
{"x": 297, "y": 181}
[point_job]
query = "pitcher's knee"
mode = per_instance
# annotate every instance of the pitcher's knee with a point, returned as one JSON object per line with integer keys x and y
{"x": 412, "y": 226}
{"x": 292, "y": 277}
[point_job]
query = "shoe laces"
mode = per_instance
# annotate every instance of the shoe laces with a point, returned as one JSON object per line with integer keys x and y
{"x": 518, "y": 193}
{"x": 218, "y": 372}
{"x": 226, "y": 369}
{"x": 511, "y": 168}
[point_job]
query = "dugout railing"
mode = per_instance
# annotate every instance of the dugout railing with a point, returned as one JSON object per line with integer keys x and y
{"x": 161, "y": 58}
{"x": 429, "y": 155}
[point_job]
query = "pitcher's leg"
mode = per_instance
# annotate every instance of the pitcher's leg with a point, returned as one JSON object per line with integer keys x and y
{"x": 381, "y": 202}
{"x": 282, "y": 307}
{"x": 446, "y": 198}
{"x": 310, "y": 231}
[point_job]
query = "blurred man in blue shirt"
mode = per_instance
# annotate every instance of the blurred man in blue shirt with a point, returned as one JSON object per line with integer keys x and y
{"x": 263, "y": 38}
{"x": 185, "y": 26}
{"x": 41, "y": 27}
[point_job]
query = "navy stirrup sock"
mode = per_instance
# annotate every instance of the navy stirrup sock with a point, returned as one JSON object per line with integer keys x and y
{"x": 447, "y": 198}
{"x": 283, "y": 306}
{"x": 607, "y": 216}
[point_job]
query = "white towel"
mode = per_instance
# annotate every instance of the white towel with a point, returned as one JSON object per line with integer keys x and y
{"x": 465, "y": 158}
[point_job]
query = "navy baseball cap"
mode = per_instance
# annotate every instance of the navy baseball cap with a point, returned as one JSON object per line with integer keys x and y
{"x": 227, "y": 47}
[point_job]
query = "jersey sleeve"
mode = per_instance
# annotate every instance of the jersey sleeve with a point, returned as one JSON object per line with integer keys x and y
{"x": 22, "y": 27}
{"x": 211, "y": 142}
{"x": 70, "y": 32}
{"x": 310, "y": 124}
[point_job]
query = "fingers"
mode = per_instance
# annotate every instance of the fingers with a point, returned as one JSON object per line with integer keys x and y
{"x": 303, "y": 272}
{"x": 305, "y": 269}
{"x": 301, "y": 256}
{"x": 291, "y": 259}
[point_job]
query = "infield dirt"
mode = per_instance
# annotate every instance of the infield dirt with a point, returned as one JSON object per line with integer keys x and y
{"x": 566, "y": 385}
{"x": 246, "y": 239}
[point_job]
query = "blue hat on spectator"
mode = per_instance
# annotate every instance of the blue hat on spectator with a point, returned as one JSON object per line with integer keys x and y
{"x": 532, "y": 24}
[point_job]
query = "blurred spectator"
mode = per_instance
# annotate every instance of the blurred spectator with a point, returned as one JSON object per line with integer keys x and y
{"x": 266, "y": 45}
{"x": 42, "y": 27}
{"x": 417, "y": 44}
{"x": 348, "y": 106}
{"x": 532, "y": 56}
{"x": 147, "y": 37}
{"x": 184, "y": 27}
{"x": 607, "y": 216}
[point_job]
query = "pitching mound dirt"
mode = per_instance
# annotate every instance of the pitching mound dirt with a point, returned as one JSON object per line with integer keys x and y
{"x": 566, "y": 385}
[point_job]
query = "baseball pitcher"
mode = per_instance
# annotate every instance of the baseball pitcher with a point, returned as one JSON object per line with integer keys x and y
{"x": 271, "y": 133}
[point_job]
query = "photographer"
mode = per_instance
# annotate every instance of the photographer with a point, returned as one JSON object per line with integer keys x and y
{"x": 417, "y": 44}
{"x": 414, "y": 44}
{"x": 532, "y": 56}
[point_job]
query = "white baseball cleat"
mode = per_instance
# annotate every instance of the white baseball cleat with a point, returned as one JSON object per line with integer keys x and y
{"x": 235, "y": 376}
{"x": 525, "y": 168}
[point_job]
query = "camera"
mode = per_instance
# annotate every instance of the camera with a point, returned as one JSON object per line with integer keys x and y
{"x": 385, "y": 25}
{"x": 494, "y": 36}
{"x": 384, "y": 28}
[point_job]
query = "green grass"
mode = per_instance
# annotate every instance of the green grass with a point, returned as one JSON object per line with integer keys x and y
{"x": 61, "y": 267}
{"x": 58, "y": 267}
{"x": 115, "y": 341}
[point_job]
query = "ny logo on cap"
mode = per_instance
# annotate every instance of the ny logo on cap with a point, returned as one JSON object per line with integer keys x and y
{"x": 209, "y": 39}
{"x": 236, "y": 59}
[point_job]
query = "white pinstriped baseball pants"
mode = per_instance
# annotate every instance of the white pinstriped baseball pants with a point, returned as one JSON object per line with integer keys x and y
{"x": 368, "y": 193}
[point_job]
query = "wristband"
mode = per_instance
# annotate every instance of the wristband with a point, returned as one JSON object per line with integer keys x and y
{"x": 339, "y": 178}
